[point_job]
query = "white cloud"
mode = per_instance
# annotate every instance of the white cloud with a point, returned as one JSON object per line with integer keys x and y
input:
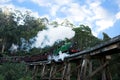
{"x": 4, "y": 1}
{"x": 53, "y": 5}
{"x": 42, "y": 2}
{"x": 20, "y": 1}
{"x": 13, "y": 8}
{"x": 54, "y": 10}
{"x": 118, "y": 3}
{"x": 64, "y": 2}
{"x": 104, "y": 24}
{"x": 100, "y": 19}
{"x": 117, "y": 15}
{"x": 48, "y": 3}
{"x": 91, "y": 14}
{"x": 45, "y": 16}
{"x": 97, "y": 11}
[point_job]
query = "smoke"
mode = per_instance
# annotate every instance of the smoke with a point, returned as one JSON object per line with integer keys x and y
{"x": 47, "y": 37}
{"x": 13, "y": 48}
{"x": 62, "y": 55}
{"x": 56, "y": 58}
{"x": 26, "y": 45}
{"x": 51, "y": 35}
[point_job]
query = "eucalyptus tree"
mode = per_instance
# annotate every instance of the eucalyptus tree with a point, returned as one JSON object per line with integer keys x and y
{"x": 84, "y": 37}
{"x": 7, "y": 30}
{"x": 31, "y": 26}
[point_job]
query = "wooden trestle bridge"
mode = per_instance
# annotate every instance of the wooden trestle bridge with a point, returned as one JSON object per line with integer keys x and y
{"x": 84, "y": 65}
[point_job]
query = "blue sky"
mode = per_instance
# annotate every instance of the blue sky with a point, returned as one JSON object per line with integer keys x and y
{"x": 100, "y": 15}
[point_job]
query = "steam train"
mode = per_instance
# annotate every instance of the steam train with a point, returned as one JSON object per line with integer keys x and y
{"x": 68, "y": 48}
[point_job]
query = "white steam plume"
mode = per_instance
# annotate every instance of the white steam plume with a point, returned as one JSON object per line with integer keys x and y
{"x": 56, "y": 58}
{"x": 52, "y": 34}
{"x": 13, "y": 48}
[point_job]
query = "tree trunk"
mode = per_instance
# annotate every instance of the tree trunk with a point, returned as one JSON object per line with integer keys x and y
{"x": 3, "y": 45}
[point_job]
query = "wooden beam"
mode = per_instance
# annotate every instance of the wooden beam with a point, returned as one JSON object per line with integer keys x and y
{"x": 97, "y": 70}
{"x": 51, "y": 71}
{"x": 68, "y": 73}
{"x": 83, "y": 69}
{"x": 43, "y": 70}
{"x": 109, "y": 77}
{"x": 64, "y": 71}
{"x": 34, "y": 72}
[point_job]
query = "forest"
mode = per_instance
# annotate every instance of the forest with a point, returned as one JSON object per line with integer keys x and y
{"x": 19, "y": 30}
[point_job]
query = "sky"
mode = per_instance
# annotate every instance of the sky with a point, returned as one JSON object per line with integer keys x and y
{"x": 100, "y": 15}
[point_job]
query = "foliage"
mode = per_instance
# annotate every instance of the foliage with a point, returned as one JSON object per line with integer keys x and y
{"x": 1, "y": 77}
{"x": 7, "y": 30}
{"x": 12, "y": 31}
{"x": 84, "y": 37}
{"x": 105, "y": 37}
{"x": 13, "y": 71}
{"x": 26, "y": 78}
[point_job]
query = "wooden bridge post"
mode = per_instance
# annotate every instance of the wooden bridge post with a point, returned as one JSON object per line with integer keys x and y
{"x": 78, "y": 70}
{"x": 90, "y": 67}
{"x": 109, "y": 77}
{"x": 55, "y": 69}
{"x": 68, "y": 72}
{"x": 83, "y": 72}
{"x": 103, "y": 71}
{"x": 51, "y": 71}
{"x": 64, "y": 71}
{"x": 43, "y": 71}
{"x": 27, "y": 68}
{"x": 106, "y": 75}
{"x": 86, "y": 68}
{"x": 35, "y": 69}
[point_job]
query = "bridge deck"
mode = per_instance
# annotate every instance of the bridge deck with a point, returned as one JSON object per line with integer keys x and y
{"x": 107, "y": 48}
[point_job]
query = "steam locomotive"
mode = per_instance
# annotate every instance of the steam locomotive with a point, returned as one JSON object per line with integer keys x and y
{"x": 68, "y": 48}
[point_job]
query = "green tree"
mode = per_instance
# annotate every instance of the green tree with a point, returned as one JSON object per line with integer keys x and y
{"x": 31, "y": 26}
{"x": 7, "y": 30}
{"x": 84, "y": 37}
{"x": 106, "y": 37}
{"x": 12, "y": 32}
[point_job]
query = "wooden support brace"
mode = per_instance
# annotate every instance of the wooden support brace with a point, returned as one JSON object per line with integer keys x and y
{"x": 58, "y": 70}
{"x": 109, "y": 77}
{"x": 83, "y": 69}
{"x": 43, "y": 71}
{"x": 64, "y": 71}
{"x": 106, "y": 75}
{"x": 51, "y": 72}
{"x": 27, "y": 68}
{"x": 78, "y": 74}
{"x": 97, "y": 70}
{"x": 68, "y": 73}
